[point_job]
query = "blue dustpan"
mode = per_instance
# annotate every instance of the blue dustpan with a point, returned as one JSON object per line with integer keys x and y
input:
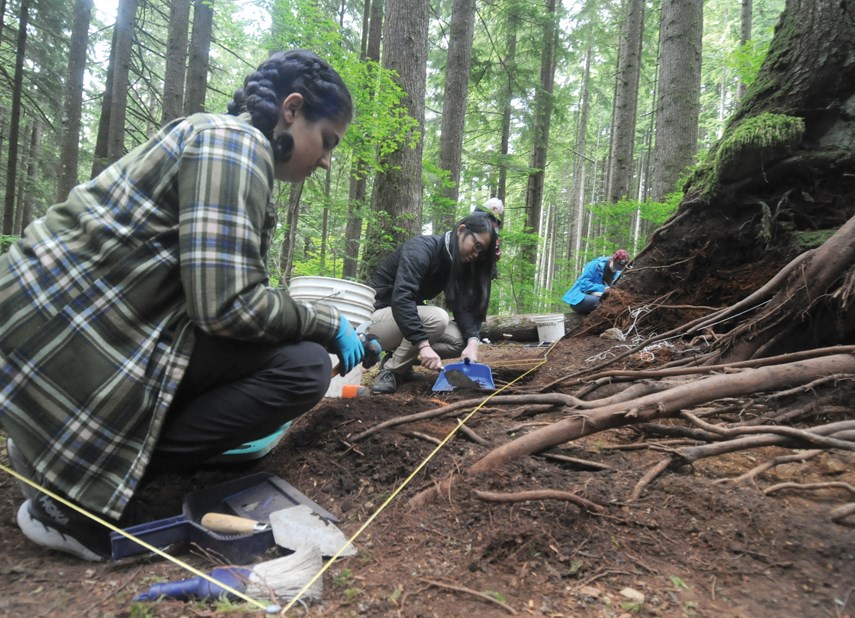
{"x": 464, "y": 375}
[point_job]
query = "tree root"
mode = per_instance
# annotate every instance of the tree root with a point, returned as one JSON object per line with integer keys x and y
{"x": 806, "y": 486}
{"x": 540, "y": 494}
{"x": 689, "y": 455}
{"x": 549, "y": 398}
{"x": 475, "y": 593}
{"x": 839, "y": 514}
{"x": 649, "y": 477}
{"x": 772, "y": 463}
{"x": 666, "y": 404}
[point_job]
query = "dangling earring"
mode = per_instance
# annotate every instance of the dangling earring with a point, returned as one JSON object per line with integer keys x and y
{"x": 283, "y": 146}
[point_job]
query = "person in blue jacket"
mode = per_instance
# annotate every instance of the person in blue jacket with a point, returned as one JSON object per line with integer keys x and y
{"x": 593, "y": 284}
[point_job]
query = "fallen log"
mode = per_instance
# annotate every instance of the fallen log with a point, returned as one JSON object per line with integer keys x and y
{"x": 521, "y": 327}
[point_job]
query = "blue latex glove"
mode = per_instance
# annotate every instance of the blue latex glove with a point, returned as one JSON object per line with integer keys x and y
{"x": 350, "y": 350}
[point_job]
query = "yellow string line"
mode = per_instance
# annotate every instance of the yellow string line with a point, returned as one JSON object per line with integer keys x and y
{"x": 148, "y": 546}
{"x": 407, "y": 481}
{"x": 329, "y": 562}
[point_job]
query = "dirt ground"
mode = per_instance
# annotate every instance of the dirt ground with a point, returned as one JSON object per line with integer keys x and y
{"x": 690, "y": 546}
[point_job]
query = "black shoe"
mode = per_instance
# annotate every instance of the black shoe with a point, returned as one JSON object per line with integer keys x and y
{"x": 54, "y": 525}
{"x": 22, "y": 467}
{"x": 386, "y": 383}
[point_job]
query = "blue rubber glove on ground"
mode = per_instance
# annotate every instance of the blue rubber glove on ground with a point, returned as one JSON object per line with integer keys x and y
{"x": 350, "y": 350}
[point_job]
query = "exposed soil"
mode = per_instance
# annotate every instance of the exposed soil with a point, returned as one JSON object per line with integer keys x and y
{"x": 690, "y": 546}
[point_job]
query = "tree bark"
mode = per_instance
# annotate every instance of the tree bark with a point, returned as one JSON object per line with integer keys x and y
{"x": 286, "y": 254}
{"x": 521, "y": 327}
{"x": 125, "y": 19}
{"x": 197, "y": 66}
{"x": 15, "y": 119}
{"x": 397, "y": 200}
{"x": 73, "y": 99}
{"x": 454, "y": 109}
{"x": 542, "y": 119}
{"x": 678, "y": 106}
{"x": 99, "y": 157}
{"x": 359, "y": 174}
{"x": 744, "y": 37}
{"x": 625, "y": 107}
{"x": 176, "y": 60}
{"x": 32, "y": 175}
{"x": 576, "y": 217}
{"x": 665, "y": 404}
{"x": 507, "y": 99}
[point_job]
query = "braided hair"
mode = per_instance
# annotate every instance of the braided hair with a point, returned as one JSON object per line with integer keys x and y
{"x": 283, "y": 73}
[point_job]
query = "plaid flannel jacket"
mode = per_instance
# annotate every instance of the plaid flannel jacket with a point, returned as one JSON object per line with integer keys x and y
{"x": 99, "y": 298}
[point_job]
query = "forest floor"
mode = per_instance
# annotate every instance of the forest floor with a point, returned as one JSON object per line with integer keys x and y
{"x": 690, "y": 546}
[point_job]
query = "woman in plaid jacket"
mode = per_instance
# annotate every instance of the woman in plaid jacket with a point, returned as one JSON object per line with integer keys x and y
{"x": 139, "y": 332}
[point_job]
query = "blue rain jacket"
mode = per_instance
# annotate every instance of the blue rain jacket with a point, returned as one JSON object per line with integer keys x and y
{"x": 591, "y": 280}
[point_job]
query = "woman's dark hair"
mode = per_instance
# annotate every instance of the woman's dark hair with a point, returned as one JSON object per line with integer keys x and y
{"x": 324, "y": 94}
{"x": 468, "y": 287}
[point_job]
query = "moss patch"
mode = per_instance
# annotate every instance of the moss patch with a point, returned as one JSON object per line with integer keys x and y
{"x": 755, "y": 142}
{"x": 812, "y": 239}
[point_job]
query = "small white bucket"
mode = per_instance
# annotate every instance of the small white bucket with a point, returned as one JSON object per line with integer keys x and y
{"x": 354, "y": 301}
{"x": 550, "y": 327}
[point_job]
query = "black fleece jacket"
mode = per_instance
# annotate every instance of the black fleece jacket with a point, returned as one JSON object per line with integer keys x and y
{"x": 417, "y": 271}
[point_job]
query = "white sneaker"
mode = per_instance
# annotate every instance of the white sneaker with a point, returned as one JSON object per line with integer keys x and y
{"x": 50, "y": 524}
{"x": 22, "y": 467}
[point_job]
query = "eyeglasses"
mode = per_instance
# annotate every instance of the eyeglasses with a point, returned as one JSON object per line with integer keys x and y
{"x": 478, "y": 246}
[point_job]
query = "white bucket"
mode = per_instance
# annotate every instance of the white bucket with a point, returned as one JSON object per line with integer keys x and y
{"x": 354, "y": 301}
{"x": 550, "y": 327}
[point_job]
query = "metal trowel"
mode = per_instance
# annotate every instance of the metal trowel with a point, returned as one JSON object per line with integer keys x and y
{"x": 299, "y": 525}
{"x": 457, "y": 378}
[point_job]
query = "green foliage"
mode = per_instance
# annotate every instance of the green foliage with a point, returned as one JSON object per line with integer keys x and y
{"x": 6, "y": 242}
{"x": 501, "y": 598}
{"x": 747, "y": 59}
{"x": 658, "y": 213}
{"x": 140, "y": 610}
{"x": 678, "y": 582}
{"x": 812, "y": 239}
{"x": 343, "y": 579}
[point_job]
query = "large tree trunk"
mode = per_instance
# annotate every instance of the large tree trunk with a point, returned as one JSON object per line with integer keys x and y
{"x": 197, "y": 66}
{"x": 576, "y": 218}
{"x": 778, "y": 182}
{"x": 744, "y": 37}
{"x": 99, "y": 157}
{"x": 359, "y": 174}
{"x": 125, "y": 19}
{"x": 522, "y": 328}
{"x": 15, "y": 120}
{"x": 625, "y": 107}
{"x": 176, "y": 60}
{"x": 542, "y": 120}
{"x": 679, "y": 103}
{"x": 397, "y": 199}
{"x": 32, "y": 175}
{"x": 507, "y": 104}
{"x": 454, "y": 109}
{"x": 73, "y": 99}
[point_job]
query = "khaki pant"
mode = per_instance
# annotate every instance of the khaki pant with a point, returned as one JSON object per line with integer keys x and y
{"x": 443, "y": 334}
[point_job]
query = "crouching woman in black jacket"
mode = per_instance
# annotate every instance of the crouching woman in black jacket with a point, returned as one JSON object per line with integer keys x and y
{"x": 459, "y": 263}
